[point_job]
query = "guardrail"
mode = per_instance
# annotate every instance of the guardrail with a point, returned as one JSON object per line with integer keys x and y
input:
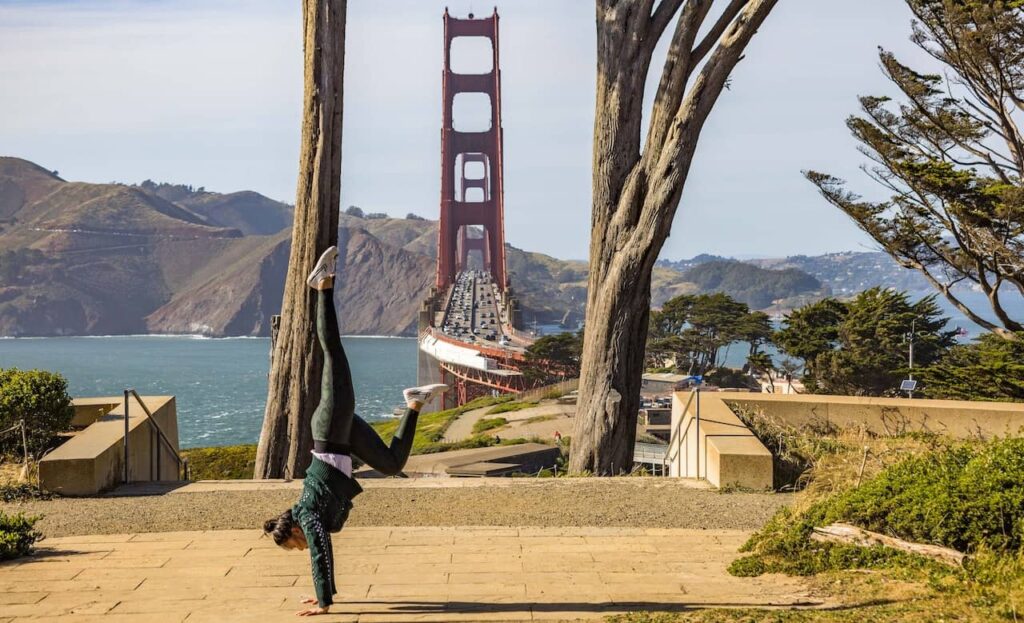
{"x": 679, "y": 438}
{"x": 161, "y": 437}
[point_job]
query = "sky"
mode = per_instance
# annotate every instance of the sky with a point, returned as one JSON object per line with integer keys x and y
{"x": 208, "y": 93}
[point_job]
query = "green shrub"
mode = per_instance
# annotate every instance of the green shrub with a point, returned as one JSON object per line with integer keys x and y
{"x": 487, "y": 424}
{"x": 508, "y": 407}
{"x": 969, "y": 498}
{"x": 22, "y": 492}
{"x": 476, "y": 441}
{"x": 41, "y": 399}
{"x": 17, "y": 535}
{"x": 221, "y": 463}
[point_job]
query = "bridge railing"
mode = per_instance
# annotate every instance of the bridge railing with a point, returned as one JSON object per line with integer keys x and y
{"x": 500, "y": 354}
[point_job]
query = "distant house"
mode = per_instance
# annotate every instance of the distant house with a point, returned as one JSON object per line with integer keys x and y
{"x": 660, "y": 383}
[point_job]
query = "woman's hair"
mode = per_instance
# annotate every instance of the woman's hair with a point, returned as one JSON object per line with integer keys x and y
{"x": 280, "y": 527}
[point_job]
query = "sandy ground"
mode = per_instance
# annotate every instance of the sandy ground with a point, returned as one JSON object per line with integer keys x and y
{"x": 618, "y": 502}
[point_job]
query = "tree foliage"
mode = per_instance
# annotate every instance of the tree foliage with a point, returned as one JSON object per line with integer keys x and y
{"x": 991, "y": 368}
{"x": 41, "y": 399}
{"x": 553, "y": 358}
{"x": 693, "y": 329}
{"x": 860, "y": 347}
{"x": 810, "y": 331}
{"x": 951, "y": 153}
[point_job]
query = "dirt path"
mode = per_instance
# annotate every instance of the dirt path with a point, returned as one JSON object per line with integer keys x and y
{"x": 462, "y": 427}
{"x": 578, "y": 502}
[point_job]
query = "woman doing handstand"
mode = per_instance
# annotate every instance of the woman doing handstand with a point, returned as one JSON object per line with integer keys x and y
{"x": 338, "y": 434}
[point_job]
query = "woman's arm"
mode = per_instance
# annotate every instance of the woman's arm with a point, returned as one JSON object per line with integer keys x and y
{"x": 320, "y": 555}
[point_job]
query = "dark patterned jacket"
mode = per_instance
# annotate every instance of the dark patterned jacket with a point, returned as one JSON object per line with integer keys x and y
{"x": 323, "y": 508}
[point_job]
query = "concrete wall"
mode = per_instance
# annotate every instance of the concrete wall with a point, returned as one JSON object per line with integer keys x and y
{"x": 889, "y": 416}
{"x": 722, "y": 450}
{"x": 93, "y": 460}
{"x": 718, "y": 447}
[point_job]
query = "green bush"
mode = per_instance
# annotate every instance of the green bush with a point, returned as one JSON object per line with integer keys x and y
{"x": 41, "y": 398}
{"x": 508, "y": 407}
{"x": 476, "y": 441}
{"x": 17, "y": 535}
{"x": 969, "y": 498}
{"x": 22, "y": 492}
{"x": 487, "y": 424}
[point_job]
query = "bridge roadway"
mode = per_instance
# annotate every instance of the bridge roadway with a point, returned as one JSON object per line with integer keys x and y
{"x": 468, "y": 339}
{"x": 472, "y": 314}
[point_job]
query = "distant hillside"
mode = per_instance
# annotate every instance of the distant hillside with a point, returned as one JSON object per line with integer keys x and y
{"x": 853, "y": 271}
{"x": 90, "y": 259}
{"x": 249, "y": 212}
{"x": 759, "y": 288}
{"x": 843, "y": 273}
{"x": 93, "y": 259}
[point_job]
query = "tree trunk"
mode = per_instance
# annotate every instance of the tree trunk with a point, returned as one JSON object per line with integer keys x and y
{"x": 852, "y": 535}
{"x": 636, "y": 192}
{"x": 294, "y": 383}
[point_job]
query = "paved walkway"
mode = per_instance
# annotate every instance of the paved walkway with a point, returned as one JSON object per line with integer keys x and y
{"x": 386, "y": 574}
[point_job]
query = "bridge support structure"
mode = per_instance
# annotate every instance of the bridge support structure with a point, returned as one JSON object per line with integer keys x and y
{"x": 472, "y": 188}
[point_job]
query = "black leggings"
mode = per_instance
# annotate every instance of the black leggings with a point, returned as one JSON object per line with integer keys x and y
{"x": 336, "y": 427}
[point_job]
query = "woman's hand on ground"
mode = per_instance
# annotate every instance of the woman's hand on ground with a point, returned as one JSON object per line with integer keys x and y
{"x": 313, "y": 611}
{"x": 308, "y": 600}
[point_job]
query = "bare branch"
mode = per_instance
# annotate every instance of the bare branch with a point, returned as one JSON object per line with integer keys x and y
{"x": 726, "y": 18}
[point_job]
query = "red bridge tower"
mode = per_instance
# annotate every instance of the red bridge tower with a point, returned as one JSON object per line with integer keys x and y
{"x": 480, "y": 153}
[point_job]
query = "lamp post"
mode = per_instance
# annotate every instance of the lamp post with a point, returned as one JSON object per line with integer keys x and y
{"x": 910, "y": 384}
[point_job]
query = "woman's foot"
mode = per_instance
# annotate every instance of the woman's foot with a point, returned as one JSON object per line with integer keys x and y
{"x": 416, "y": 397}
{"x": 322, "y": 275}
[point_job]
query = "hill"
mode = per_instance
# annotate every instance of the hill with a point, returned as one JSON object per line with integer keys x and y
{"x": 95, "y": 259}
{"x": 853, "y": 271}
{"x": 249, "y": 212}
{"x": 758, "y": 287}
{"x": 844, "y": 273}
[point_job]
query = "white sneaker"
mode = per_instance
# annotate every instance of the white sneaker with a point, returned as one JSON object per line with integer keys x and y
{"x": 424, "y": 394}
{"x": 324, "y": 267}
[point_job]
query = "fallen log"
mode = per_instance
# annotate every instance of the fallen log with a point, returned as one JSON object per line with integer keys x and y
{"x": 852, "y": 535}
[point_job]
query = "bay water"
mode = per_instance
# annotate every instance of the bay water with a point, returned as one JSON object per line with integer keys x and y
{"x": 220, "y": 385}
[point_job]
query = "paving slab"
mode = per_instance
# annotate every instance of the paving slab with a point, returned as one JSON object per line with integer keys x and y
{"x": 387, "y": 574}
